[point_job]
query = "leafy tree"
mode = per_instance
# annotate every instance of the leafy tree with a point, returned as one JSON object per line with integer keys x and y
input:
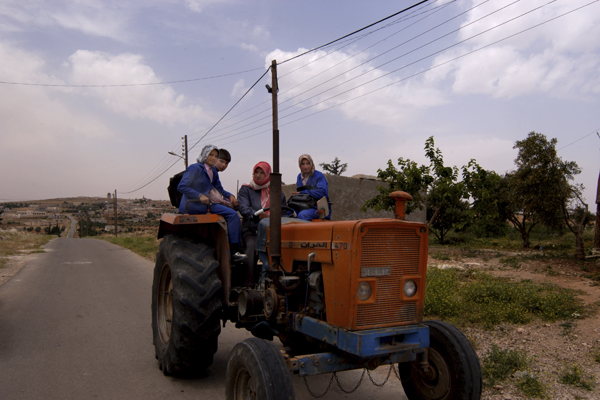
{"x": 335, "y": 168}
{"x": 576, "y": 216}
{"x": 434, "y": 187}
{"x": 539, "y": 191}
{"x": 486, "y": 189}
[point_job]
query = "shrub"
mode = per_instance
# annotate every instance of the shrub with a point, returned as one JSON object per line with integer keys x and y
{"x": 574, "y": 376}
{"x": 499, "y": 364}
{"x": 478, "y": 297}
{"x": 531, "y": 386}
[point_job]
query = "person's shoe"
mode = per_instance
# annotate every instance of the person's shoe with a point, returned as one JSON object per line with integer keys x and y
{"x": 238, "y": 257}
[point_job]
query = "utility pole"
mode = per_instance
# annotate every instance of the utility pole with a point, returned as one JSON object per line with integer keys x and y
{"x": 275, "y": 214}
{"x": 597, "y": 227}
{"x": 115, "y": 208}
{"x": 596, "y": 249}
{"x": 185, "y": 151}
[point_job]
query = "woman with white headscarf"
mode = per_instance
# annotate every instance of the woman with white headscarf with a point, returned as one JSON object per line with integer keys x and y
{"x": 201, "y": 181}
{"x": 315, "y": 185}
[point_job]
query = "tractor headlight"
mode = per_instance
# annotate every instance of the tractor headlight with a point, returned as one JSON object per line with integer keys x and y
{"x": 410, "y": 288}
{"x": 364, "y": 291}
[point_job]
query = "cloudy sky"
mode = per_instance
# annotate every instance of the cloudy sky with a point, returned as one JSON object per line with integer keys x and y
{"x": 94, "y": 94}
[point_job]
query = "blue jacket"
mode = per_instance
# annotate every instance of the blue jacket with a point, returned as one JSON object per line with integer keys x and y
{"x": 195, "y": 181}
{"x": 318, "y": 181}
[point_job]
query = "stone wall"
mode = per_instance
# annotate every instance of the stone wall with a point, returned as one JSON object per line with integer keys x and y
{"x": 349, "y": 194}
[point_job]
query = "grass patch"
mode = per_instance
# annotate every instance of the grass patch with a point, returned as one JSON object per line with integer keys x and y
{"x": 498, "y": 364}
{"x": 574, "y": 376}
{"x": 596, "y": 355}
{"x": 145, "y": 246}
{"x": 440, "y": 256}
{"x": 512, "y": 262}
{"x": 14, "y": 244}
{"x": 467, "y": 297}
{"x": 531, "y": 386}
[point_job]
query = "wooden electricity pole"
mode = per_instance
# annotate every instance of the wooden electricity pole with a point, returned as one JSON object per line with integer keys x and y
{"x": 597, "y": 227}
{"x": 115, "y": 208}
{"x": 185, "y": 153}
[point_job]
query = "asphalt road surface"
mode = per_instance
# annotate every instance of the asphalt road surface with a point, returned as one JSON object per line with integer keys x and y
{"x": 75, "y": 324}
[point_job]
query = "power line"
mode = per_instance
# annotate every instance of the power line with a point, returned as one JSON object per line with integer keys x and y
{"x": 161, "y": 174}
{"x": 355, "y": 32}
{"x": 395, "y": 82}
{"x": 374, "y": 68}
{"x": 436, "y": 9}
{"x": 129, "y": 84}
{"x": 581, "y": 138}
{"x": 232, "y": 107}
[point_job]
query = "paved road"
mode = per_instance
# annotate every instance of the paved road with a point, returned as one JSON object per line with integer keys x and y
{"x": 73, "y": 226}
{"x": 75, "y": 324}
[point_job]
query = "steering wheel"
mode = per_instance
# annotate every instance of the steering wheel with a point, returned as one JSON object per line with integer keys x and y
{"x": 262, "y": 210}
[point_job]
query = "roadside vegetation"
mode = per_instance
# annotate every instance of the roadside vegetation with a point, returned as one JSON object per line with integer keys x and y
{"x": 145, "y": 246}
{"x": 15, "y": 244}
{"x": 539, "y": 194}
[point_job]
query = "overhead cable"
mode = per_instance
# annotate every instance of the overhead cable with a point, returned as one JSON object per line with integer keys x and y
{"x": 353, "y": 33}
{"x": 129, "y": 84}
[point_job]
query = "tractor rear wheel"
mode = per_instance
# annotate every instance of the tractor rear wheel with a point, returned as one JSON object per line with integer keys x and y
{"x": 454, "y": 370}
{"x": 186, "y": 306}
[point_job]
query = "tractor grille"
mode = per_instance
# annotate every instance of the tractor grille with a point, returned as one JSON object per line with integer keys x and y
{"x": 398, "y": 250}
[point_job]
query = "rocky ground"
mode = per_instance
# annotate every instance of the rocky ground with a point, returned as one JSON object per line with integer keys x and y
{"x": 553, "y": 346}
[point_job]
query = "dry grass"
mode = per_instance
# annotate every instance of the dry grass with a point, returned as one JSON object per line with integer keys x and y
{"x": 18, "y": 243}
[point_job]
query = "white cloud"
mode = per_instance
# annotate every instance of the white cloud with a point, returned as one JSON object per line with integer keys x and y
{"x": 556, "y": 58}
{"x": 89, "y": 17}
{"x": 199, "y": 5}
{"x": 249, "y": 47}
{"x": 158, "y": 103}
{"x": 351, "y": 85}
{"x": 261, "y": 32}
{"x": 238, "y": 88}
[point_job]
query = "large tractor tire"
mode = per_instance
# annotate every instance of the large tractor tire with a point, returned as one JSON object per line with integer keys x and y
{"x": 455, "y": 372}
{"x": 186, "y": 306}
{"x": 256, "y": 370}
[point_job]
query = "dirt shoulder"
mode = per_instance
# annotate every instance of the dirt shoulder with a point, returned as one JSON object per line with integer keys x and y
{"x": 552, "y": 346}
{"x": 13, "y": 265}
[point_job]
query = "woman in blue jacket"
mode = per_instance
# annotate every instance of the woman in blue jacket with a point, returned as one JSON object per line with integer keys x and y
{"x": 201, "y": 181}
{"x": 317, "y": 184}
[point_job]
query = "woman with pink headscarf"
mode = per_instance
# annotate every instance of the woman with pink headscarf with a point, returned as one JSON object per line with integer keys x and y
{"x": 254, "y": 196}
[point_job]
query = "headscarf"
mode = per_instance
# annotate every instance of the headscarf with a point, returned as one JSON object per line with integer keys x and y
{"x": 205, "y": 152}
{"x": 263, "y": 185}
{"x": 213, "y": 194}
{"x": 312, "y": 167}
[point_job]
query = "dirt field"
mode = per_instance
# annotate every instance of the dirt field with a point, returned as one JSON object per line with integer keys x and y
{"x": 554, "y": 346}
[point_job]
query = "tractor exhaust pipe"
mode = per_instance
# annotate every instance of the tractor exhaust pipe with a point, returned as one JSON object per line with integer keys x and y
{"x": 275, "y": 215}
{"x": 401, "y": 199}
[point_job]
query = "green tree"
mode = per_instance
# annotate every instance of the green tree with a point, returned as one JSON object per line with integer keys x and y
{"x": 335, "y": 168}
{"x": 539, "y": 191}
{"x": 488, "y": 208}
{"x": 434, "y": 187}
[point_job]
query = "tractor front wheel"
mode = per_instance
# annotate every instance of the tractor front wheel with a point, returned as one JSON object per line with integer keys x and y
{"x": 454, "y": 371}
{"x": 256, "y": 371}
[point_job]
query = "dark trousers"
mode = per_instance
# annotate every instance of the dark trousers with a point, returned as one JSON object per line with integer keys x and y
{"x": 250, "y": 240}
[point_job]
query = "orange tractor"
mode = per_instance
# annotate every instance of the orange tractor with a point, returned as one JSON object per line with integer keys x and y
{"x": 339, "y": 295}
